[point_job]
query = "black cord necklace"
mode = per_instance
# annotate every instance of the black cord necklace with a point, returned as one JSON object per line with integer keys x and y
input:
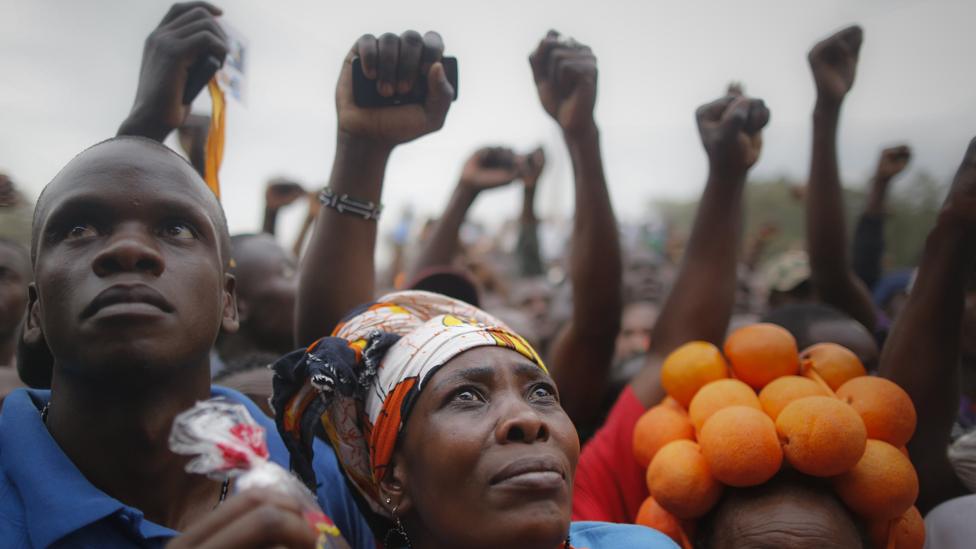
{"x": 224, "y": 487}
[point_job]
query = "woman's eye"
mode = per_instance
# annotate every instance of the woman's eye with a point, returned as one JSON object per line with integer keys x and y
{"x": 467, "y": 395}
{"x": 543, "y": 392}
{"x": 81, "y": 231}
{"x": 180, "y": 231}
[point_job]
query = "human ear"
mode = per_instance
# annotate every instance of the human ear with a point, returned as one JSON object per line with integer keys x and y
{"x": 33, "y": 333}
{"x": 394, "y": 487}
{"x": 231, "y": 320}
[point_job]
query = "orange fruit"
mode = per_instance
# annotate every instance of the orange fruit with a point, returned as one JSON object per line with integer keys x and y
{"x": 672, "y": 403}
{"x": 760, "y": 353}
{"x": 784, "y": 390}
{"x": 883, "y": 484}
{"x": 652, "y": 515}
{"x": 833, "y": 363}
{"x": 740, "y": 446}
{"x": 657, "y": 427}
{"x": 680, "y": 481}
{"x": 821, "y": 435}
{"x": 886, "y": 408}
{"x": 689, "y": 368}
{"x": 720, "y": 394}
{"x": 907, "y": 530}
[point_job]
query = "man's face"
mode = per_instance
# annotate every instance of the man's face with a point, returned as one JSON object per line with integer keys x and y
{"x": 635, "y": 330}
{"x": 128, "y": 267}
{"x": 266, "y": 287}
{"x": 14, "y": 277}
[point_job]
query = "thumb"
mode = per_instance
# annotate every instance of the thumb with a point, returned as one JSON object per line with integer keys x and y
{"x": 440, "y": 93}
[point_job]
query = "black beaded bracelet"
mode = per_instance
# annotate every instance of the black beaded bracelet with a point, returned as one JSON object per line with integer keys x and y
{"x": 344, "y": 204}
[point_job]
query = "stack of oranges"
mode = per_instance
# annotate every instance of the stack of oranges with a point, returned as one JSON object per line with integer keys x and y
{"x": 733, "y": 419}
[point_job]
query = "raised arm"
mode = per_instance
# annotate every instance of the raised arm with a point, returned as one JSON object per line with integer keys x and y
{"x": 527, "y": 246}
{"x": 700, "y": 303}
{"x": 869, "y": 233}
{"x": 921, "y": 353}
{"x": 188, "y": 32}
{"x": 833, "y": 62}
{"x": 278, "y": 194}
{"x": 488, "y": 168}
{"x": 338, "y": 270}
{"x": 565, "y": 75}
{"x": 314, "y": 207}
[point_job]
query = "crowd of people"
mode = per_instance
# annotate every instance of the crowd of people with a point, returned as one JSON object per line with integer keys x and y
{"x": 481, "y": 389}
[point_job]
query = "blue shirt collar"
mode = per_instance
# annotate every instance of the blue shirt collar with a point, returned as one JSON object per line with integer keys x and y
{"x": 58, "y": 500}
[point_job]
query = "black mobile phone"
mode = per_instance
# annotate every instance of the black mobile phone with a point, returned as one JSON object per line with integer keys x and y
{"x": 199, "y": 74}
{"x": 365, "y": 94}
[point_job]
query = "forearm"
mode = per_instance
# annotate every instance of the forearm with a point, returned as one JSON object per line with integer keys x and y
{"x": 595, "y": 259}
{"x": 442, "y": 246}
{"x": 338, "y": 269}
{"x": 701, "y": 301}
{"x": 868, "y": 248}
{"x": 140, "y": 124}
{"x": 877, "y": 196}
{"x": 583, "y": 352}
{"x": 826, "y": 236}
{"x": 527, "y": 246}
{"x": 830, "y": 267}
{"x": 922, "y": 353}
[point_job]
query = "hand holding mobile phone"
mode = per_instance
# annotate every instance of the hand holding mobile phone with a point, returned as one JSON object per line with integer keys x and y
{"x": 367, "y": 96}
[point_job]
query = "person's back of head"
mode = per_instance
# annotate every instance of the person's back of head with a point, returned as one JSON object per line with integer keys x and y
{"x": 15, "y": 275}
{"x": 812, "y": 323}
{"x": 266, "y": 285}
{"x": 788, "y": 510}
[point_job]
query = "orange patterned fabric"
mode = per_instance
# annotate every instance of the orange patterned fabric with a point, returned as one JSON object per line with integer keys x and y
{"x": 368, "y": 375}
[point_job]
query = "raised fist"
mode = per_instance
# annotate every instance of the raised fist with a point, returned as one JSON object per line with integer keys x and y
{"x": 893, "y": 160}
{"x": 187, "y": 33}
{"x": 531, "y": 165}
{"x": 834, "y": 63}
{"x": 490, "y": 167}
{"x": 565, "y": 76}
{"x": 731, "y": 131}
{"x": 282, "y": 192}
{"x": 396, "y": 63}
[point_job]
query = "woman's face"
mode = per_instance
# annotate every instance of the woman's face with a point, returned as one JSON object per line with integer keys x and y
{"x": 487, "y": 456}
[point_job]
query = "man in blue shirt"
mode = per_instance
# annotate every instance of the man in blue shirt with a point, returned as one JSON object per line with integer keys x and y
{"x": 130, "y": 251}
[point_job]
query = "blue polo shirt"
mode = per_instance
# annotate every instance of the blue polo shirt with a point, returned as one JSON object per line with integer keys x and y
{"x": 45, "y": 500}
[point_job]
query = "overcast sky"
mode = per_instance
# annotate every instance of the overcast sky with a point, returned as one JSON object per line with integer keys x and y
{"x": 69, "y": 71}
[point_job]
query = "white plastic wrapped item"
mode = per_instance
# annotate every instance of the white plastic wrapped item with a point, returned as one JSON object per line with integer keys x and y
{"x": 228, "y": 444}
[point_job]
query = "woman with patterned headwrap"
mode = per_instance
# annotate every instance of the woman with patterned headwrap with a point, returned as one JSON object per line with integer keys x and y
{"x": 448, "y": 425}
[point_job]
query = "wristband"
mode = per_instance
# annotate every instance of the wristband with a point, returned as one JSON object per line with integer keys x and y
{"x": 344, "y": 204}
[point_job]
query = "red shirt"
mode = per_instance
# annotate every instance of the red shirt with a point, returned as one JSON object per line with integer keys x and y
{"x": 609, "y": 483}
